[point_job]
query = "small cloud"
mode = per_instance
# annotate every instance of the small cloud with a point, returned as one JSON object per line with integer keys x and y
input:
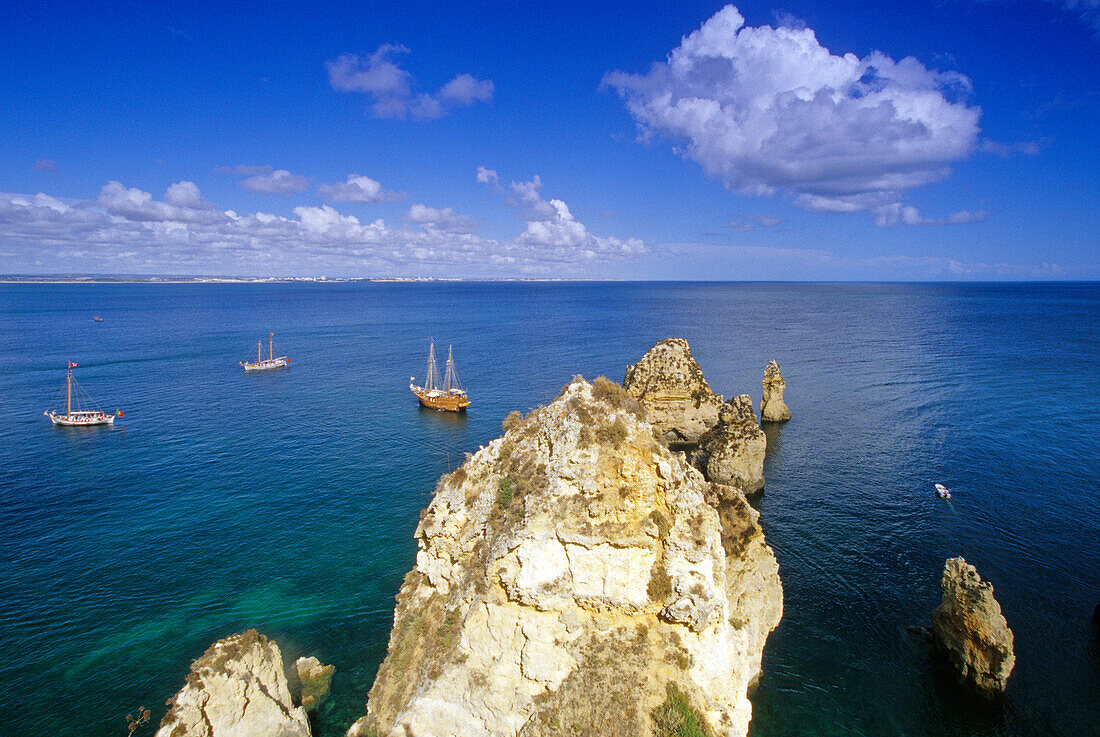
{"x": 745, "y": 223}
{"x": 357, "y": 189}
{"x": 1006, "y": 150}
{"x": 786, "y": 20}
{"x": 442, "y": 218}
{"x": 898, "y": 214}
{"x": 391, "y": 87}
{"x": 608, "y": 214}
{"x": 243, "y": 170}
{"x": 487, "y": 176}
{"x": 275, "y": 181}
{"x": 45, "y": 165}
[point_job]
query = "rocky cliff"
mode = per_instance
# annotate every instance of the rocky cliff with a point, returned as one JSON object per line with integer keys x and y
{"x": 670, "y": 385}
{"x": 969, "y": 630}
{"x": 772, "y": 406}
{"x": 576, "y": 575}
{"x": 732, "y": 452}
{"x": 238, "y": 688}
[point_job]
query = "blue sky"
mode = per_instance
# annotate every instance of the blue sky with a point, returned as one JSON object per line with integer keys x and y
{"x": 683, "y": 140}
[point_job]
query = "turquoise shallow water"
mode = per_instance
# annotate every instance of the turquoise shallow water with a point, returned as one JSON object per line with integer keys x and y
{"x": 287, "y": 501}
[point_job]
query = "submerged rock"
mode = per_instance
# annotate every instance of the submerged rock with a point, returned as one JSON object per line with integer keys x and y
{"x": 732, "y": 452}
{"x": 238, "y": 688}
{"x": 969, "y": 630}
{"x": 310, "y": 681}
{"x": 670, "y": 385}
{"x": 577, "y": 572}
{"x": 772, "y": 406}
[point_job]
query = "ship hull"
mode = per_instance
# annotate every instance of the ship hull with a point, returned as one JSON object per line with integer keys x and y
{"x": 82, "y": 419}
{"x": 442, "y": 401}
{"x": 268, "y": 365}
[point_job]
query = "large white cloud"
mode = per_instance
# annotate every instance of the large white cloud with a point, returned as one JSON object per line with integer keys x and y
{"x": 770, "y": 110}
{"x": 390, "y": 87}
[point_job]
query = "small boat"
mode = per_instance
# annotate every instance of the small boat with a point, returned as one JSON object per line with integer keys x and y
{"x": 264, "y": 364}
{"x": 943, "y": 492}
{"x": 79, "y": 417}
{"x": 97, "y": 318}
{"x": 450, "y": 397}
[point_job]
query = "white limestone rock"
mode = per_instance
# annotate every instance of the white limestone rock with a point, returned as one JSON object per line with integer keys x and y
{"x": 732, "y": 452}
{"x": 238, "y": 688}
{"x": 671, "y": 386}
{"x": 567, "y": 573}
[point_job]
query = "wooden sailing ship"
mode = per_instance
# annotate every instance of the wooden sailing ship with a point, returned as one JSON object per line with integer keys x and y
{"x": 265, "y": 364}
{"x": 79, "y": 417}
{"x": 450, "y": 397}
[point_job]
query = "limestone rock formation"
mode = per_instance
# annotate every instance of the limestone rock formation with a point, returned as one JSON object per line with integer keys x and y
{"x": 310, "y": 681}
{"x": 238, "y": 688}
{"x": 670, "y": 385}
{"x": 772, "y": 406}
{"x": 567, "y": 574}
{"x": 969, "y": 630}
{"x": 732, "y": 452}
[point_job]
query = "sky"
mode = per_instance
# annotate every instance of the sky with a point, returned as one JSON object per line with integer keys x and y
{"x": 885, "y": 140}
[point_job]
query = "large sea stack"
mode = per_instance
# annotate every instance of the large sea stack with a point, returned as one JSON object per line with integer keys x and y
{"x": 732, "y": 452}
{"x": 970, "y": 632}
{"x": 772, "y": 406}
{"x": 670, "y": 385}
{"x": 577, "y": 572}
{"x": 238, "y": 688}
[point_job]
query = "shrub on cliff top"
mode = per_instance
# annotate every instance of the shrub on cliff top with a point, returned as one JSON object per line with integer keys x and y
{"x": 676, "y": 717}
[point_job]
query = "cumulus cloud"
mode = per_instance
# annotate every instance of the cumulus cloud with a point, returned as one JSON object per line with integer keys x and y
{"x": 357, "y": 189}
{"x": 391, "y": 88}
{"x": 126, "y": 229}
{"x": 487, "y": 176}
{"x": 553, "y": 230}
{"x": 771, "y": 111}
{"x": 443, "y": 219}
{"x": 45, "y": 165}
{"x": 274, "y": 181}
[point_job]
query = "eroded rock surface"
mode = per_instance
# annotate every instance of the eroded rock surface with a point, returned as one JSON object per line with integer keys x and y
{"x": 567, "y": 574}
{"x": 969, "y": 630}
{"x": 772, "y": 406}
{"x": 238, "y": 688}
{"x": 732, "y": 452}
{"x": 310, "y": 681}
{"x": 670, "y": 385}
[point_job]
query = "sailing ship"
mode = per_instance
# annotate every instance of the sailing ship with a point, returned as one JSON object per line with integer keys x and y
{"x": 271, "y": 362}
{"x": 450, "y": 397}
{"x": 79, "y": 417}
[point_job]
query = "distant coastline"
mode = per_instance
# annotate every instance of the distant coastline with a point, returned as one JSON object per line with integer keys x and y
{"x": 138, "y": 279}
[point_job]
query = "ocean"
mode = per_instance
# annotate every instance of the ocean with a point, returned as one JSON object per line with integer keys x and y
{"x": 287, "y": 501}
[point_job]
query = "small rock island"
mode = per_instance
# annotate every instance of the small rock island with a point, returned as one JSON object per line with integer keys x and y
{"x": 772, "y": 406}
{"x": 577, "y": 572}
{"x": 969, "y": 631}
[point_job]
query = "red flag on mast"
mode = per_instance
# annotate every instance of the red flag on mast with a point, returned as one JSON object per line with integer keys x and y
{"x": 72, "y": 365}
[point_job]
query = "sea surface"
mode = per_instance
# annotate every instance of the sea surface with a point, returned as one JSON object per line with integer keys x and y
{"x": 287, "y": 500}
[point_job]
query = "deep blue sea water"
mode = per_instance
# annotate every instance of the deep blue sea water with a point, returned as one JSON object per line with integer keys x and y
{"x": 287, "y": 501}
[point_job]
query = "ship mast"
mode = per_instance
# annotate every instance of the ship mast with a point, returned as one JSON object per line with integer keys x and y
{"x": 271, "y": 346}
{"x": 259, "y": 349}
{"x": 451, "y": 380}
{"x": 429, "y": 383}
{"x": 69, "y": 390}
